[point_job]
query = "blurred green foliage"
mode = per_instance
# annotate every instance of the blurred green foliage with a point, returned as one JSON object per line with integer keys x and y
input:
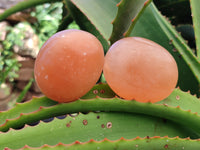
{"x": 73, "y": 25}
{"x": 8, "y": 63}
{"x": 48, "y": 18}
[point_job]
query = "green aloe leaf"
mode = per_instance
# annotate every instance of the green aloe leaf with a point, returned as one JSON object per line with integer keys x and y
{"x": 196, "y": 23}
{"x": 27, "y": 107}
{"x": 102, "y": 90}
{"x": 179, "y": 107}
{"x": 87, "y": 13}
{"x": 154, "y": 143}
{"x": 99, "y": 13}
{"x": 128, "y": 13}
{"x": 22, "y": 6}
{"x": 95, "y": 126}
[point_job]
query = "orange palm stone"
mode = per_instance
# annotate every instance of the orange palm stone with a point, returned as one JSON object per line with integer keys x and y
{"x": 140, "y": 69}
{"x": 69, "y": 64}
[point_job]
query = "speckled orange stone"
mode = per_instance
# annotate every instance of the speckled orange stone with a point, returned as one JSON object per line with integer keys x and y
{"x": 68, "y": 65}
{"x": 140, "y": 69}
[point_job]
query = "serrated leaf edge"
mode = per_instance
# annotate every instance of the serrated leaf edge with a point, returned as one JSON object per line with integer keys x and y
{"x": 107, "y": 140}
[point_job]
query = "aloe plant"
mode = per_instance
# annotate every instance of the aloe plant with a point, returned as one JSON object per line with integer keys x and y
{"x": 100, "y": 119}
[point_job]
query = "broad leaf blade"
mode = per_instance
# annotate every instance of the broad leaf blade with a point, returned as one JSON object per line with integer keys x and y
{"x": 99, "y": 13}
{"x": 27, "y": 107}
{"x": 94, "y": 16}
{"x": 181, "y": 107}
{"x": 196, "y": 23}
{"x": 95, "y": 126}
{"x": 99, "y": 90}
{"x": 147, "y": 143}
{"x": 128, "y": 11}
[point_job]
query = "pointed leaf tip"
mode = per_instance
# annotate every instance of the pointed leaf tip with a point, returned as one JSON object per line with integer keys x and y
{"x": 77, "y": 142}
{"x": 127, "y": 11}
{"x": 60, "y": 144}
{"x": 147, "y": 2}
{"x": 122, "y": 139}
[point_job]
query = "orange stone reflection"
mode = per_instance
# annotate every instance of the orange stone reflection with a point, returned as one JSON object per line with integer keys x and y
{"x": 137, "y": 68}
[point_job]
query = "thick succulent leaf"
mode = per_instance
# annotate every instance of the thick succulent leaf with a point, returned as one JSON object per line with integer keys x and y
{"x": 95, "y": 126}
{"x": 27, "y": 107}
{"x": 94, "y": 9}
{"x": 184, "y": 100}
{"x": 87, "y": 13}
{"x": 128, "y": 12}
{"x": 99, "y": 13}
{"x": 102, "y": 90}
{"x": 22, "y": 6}
{"x": 154, "y": 26}
{"x": 174, "y": 108}
{"x": 196, "y": 23}
{"x": 154, "y": 143}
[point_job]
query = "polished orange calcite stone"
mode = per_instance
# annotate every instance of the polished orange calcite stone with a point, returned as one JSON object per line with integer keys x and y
{"x": 140, "y": 69}
{"x": 68, "y": 65}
